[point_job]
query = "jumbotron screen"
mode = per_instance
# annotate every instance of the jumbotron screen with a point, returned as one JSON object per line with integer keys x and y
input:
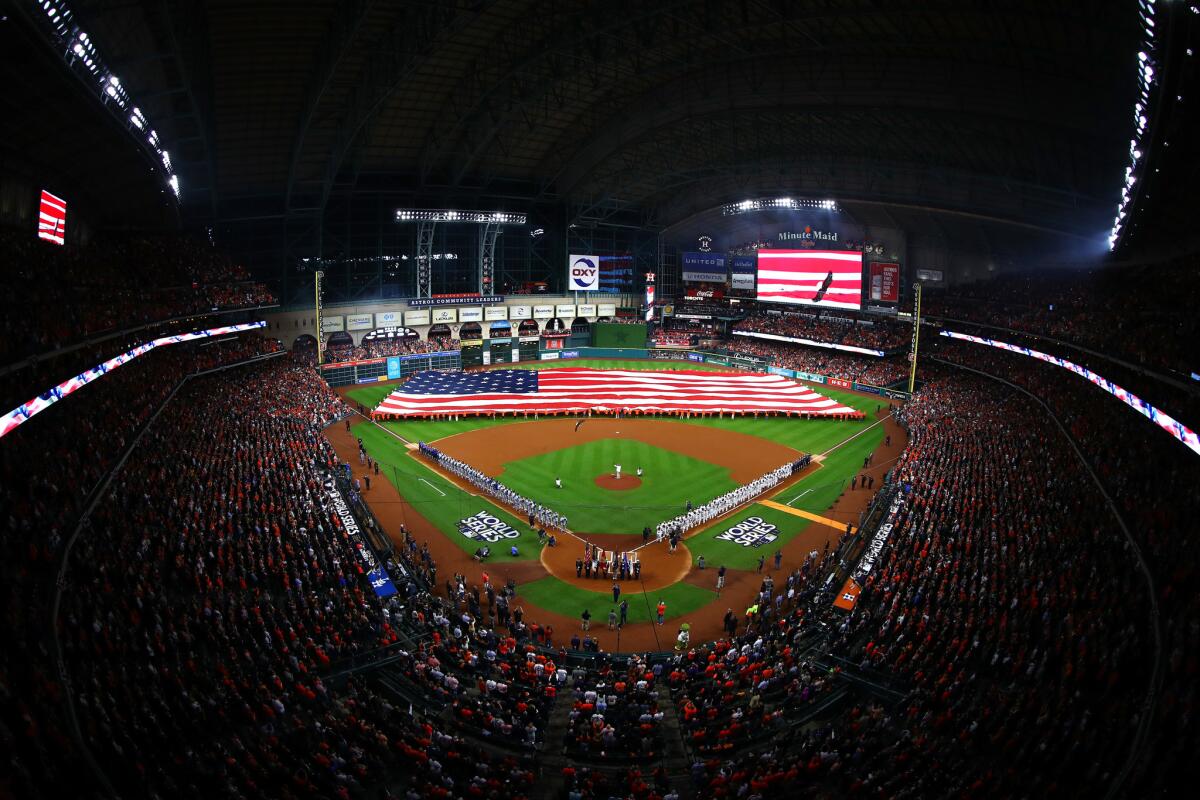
{"x": 828, "y": 278}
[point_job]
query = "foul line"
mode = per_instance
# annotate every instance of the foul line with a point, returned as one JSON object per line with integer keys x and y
{"x": 376, "y": 423}
{"x": 855, "y": 436}
{"x": 431, "y": 486}
{"x": 797, "y": 497}
{"x": 832, "y": 523}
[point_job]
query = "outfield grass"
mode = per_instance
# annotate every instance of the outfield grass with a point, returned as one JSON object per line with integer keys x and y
{"x": 815, "y": 493}
{"x": 669, "y": 480}
{"x": 440, "y": 501}
{"x": 681, "y": 598}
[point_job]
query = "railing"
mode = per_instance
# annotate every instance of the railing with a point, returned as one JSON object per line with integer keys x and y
{"x": 1146, "y": 715}
{"x": 92, "y": 501}
{"x": 29, "y": 361}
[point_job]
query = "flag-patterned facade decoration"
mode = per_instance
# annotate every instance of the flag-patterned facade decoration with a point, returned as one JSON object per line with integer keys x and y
{"x": 52, "y": 218}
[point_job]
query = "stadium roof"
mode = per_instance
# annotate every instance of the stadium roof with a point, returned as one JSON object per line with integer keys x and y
{"x": 937, "y": 114}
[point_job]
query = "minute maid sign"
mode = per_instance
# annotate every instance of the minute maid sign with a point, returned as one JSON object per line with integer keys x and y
{"x": 583, "y": 273}
{"x": 486, "y": 527}
{"x": 808, "y": 235}
{"x": 750, "y": 532}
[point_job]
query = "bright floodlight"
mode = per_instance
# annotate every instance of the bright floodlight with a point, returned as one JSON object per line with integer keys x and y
{"x": 454, "y": 215}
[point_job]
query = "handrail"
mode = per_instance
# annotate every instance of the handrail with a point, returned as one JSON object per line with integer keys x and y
{"x": 1150, "y": 373}
{"x": 60, "y": 582}
{"x": 37, "y": 358}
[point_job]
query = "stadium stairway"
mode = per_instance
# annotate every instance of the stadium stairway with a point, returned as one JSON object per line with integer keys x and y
{"x": 676, "y": 756}
{"x": 552, "y": 785}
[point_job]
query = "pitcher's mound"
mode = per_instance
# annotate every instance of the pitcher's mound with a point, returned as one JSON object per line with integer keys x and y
{"x": 611, "y": 481}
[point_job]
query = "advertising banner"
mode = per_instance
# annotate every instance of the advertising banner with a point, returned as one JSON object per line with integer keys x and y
{"x": 862, "y": 387}
{"x": 874, "y": 549}
{"x": 393, "y": 367}
{"x": 460, "y": 299}
{"x": 583, "y": 273}
{"x": 495, "y": 313}
{"x": 606, "y": 310}
{"x": 387, "y": 318}
{"x": 543, "y": 312}
{"x": 693, "y": 295}
{"x": 376, "y": 574}
{"x": 840, "y": 383}
{"x": 810, "y": 377}
{"x": 550, "y": 356}
{"x": 569, "y": 354}
{"x": 473, "y": 314}
{"x": 743, "y": 281}
{"x": 329, "y": 324}
{"x": 784, "y": 371}
{"x": 848, "y": 597}
{"x": 586, "y": 310}
{"x": 444, "y": 315}
{"x": 930, "y": 275}
{"x": 695, "y": 357}
{"x": 885, "y": 282}
{"x": 704, "y": 268}
{"x": 487, "y": 357}
{"x": 565, "y": 312}
{"x": 359, "y": 322}
{"x": 519, "y": 312}
{"x": 420, "y": 317}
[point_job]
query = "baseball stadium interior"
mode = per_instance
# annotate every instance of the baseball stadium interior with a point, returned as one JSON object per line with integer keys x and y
{"x": 590, "y": 399}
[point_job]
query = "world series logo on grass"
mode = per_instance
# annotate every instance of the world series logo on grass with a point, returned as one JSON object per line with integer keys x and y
{"x": 750, "y": 532}
{"x": 486, "y": 527}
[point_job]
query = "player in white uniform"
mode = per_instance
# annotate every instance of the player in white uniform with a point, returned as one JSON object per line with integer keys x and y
{"x": 617, "y": 467}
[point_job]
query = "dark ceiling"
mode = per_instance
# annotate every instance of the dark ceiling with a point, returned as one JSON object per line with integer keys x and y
{"x": 937, "y": 114}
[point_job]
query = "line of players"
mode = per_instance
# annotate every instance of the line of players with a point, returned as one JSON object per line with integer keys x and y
{"x": 495, "y": 488}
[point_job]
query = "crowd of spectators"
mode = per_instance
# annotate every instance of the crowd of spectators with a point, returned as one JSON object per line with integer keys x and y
{"x": 213, "y": 591}
{"x": 1133, "y": 312}
{"x": 669, "y": 338}
{"x": 64, "y": 294}
{"x": 1145, "y": 471}
{"x": 875, "y": 333}
{"x": 1005, "y": 604}
{"x": 616, "y": 711}
{"x": 869, "y": 370}
{"x": 380, "y": 348}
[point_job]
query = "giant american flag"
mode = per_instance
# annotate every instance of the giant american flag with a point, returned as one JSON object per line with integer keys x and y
{"x": 572, "y": 390}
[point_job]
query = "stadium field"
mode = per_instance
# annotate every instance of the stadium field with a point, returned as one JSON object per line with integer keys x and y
{"x": 550, "y": 592}
{"x": 814, "y": 493}
{"x": 668, "y": 482}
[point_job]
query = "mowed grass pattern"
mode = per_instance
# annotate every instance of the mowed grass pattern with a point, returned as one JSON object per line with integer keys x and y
{"x": 437, "y": 499}
{"x": 815, "y": 493}
{"x": 668, "y": 482}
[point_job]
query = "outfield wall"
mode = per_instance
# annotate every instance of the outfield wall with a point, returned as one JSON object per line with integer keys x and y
{"x": 618, "y": 335}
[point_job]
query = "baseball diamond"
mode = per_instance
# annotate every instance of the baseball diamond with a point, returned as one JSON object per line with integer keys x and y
{"x": 599, "y": 400}
{"x": 682, "y": 461}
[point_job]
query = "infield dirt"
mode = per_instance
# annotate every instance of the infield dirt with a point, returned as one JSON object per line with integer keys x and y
{"x": 746, "y": 456}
